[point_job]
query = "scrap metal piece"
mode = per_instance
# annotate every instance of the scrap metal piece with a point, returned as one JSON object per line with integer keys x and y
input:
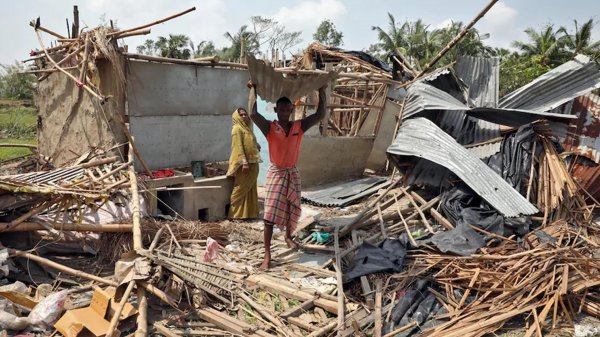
{"x": 346, "y": 193}
{"x": 272, "y": 85}
{"x": 422, "y": 97}
{"x": 555, "y": 87}
{"x": 419, "y": 137}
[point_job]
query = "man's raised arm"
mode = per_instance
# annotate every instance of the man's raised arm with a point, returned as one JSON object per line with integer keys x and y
{"x": 315, "y": 118}
{"x": 257, "y": 118}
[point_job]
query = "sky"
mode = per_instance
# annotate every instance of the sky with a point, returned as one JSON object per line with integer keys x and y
{"x": 505, "y": 22}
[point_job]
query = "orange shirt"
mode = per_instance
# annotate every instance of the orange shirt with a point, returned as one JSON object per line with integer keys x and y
{"x": 284, "y": 150}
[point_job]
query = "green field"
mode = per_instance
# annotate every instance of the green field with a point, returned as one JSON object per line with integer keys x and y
{"x": 17, "y": 126}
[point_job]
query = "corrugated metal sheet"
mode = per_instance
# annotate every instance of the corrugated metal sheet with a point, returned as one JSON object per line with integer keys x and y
{"x": 486, "y": 150}
{"x": 466, "y": 129}
{"x": 515, "y": 117}
{"x": 482, "y": 76}
{"x": 423, "y": 97}
{"x": 421, "y": 138}
{"x": 345, "y": 194}
{"x": 555, "y": 87}
{"x": 272, "y": 85}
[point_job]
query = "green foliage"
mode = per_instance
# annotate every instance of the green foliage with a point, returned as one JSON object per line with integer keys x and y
{"x": 580, "y": 40}
{"x": 204, "y": 48}
{"x": 420, "y": 45}
{"x": 242, "y": 37}
{"x": 328, "y": 35}
{"x": 178, "y": 46}
{"x": 16, "y": 86}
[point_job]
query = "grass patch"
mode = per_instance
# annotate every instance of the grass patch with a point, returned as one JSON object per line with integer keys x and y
{"x": 14, "y": 152}
{"x": 18, "y": 122}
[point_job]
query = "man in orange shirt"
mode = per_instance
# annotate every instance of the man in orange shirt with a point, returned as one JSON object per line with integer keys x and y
{"x": 282, "y": 200}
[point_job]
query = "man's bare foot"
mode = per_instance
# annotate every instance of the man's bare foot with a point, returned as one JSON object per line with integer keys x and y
{"x": 266, "y": 264}
{"x": 291, "y": 243}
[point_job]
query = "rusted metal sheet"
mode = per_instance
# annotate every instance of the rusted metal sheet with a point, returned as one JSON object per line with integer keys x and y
{"x": 583, "y": 134}
{"x": 587, "y": 173}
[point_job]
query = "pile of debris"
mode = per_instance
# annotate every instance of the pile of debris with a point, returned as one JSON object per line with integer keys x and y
{"x": 481, "y": 225}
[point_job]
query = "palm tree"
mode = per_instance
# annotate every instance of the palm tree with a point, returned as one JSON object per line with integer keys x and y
{"x": 393, "y": 38}
{"x": 249, "y": 39}
{"x": 175, "y": 46}
{"x": 581, "y": 41}
{"x": 546, "y": 46}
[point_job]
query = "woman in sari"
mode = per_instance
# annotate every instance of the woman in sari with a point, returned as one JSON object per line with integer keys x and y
{"x": 243, "y": 167}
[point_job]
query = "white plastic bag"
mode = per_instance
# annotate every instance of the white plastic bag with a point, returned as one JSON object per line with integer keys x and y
{"x": 48, "y": 310}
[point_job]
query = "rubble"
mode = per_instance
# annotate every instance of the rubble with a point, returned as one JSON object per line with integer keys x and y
{"x": 480, "y": 225}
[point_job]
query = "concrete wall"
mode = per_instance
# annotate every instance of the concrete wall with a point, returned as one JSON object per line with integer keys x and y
{"x": 180, "y": 113}
{"x": 385, "y": 136}
{"x": 175, "y": 141}
{"x": 331, "y": 159}
{"x": 71, "y": 121}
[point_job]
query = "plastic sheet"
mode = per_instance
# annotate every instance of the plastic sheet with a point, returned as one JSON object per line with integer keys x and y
{"x": 387, "y": 257}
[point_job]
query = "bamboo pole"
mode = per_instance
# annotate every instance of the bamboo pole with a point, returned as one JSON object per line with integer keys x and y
{"x": 187, "y": 62}
{"x": 154, "y": 22}
{"x": 61, "y": 62}
{"x": 84, "y": 86}
{"x": 115, "y": 319}
{"x": 29, "y": 146}
{"x": 33, "y": 226}
{"x": 340, "y": 284}
{"x": 142, "y": 318}
{"x": 43, "y": 71}
{"x": 60, "y": 267}
{"x": 137, "y": 230}
{"x": 134, "y": 33}
{"x": 32, "y": 23}
{"x": 457, "y": 38}
{"x": 75, "y": 27}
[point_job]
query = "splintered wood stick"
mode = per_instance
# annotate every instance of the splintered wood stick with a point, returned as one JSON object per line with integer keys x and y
{"x": 378, "y": 318}
{"x": 340, "y": 284}
{"x": 115, "y": 319}
{"x": 60, "y": 267}
{"x": 55, "y": 34}
{"x": 84, "y": 86}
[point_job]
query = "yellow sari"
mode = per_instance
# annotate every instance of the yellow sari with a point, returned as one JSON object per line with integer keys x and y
{"x": 244, "y": 150}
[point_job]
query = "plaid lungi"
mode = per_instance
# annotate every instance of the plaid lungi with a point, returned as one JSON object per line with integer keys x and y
{"x": 282, "y": 200}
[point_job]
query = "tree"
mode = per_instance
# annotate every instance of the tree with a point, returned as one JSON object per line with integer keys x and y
{"x": 420, "y": 44}
{"x": 266, "y": 34}
{"x": 148, "y": 48}
{"x": 546, "y": 46}
{"x": 204, "y": 48}
{"x": 242, "y": 36}
{"x": 328, "y": 35}
{"x": 581, "y": 40}
{"x": 176, "y": 46}
{"x": 14, "y": 85}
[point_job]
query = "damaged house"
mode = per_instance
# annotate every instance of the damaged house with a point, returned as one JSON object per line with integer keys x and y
{"x": 486, "y": 221}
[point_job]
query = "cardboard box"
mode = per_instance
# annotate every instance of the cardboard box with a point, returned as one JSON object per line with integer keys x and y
{"x": 93, "y": 318}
